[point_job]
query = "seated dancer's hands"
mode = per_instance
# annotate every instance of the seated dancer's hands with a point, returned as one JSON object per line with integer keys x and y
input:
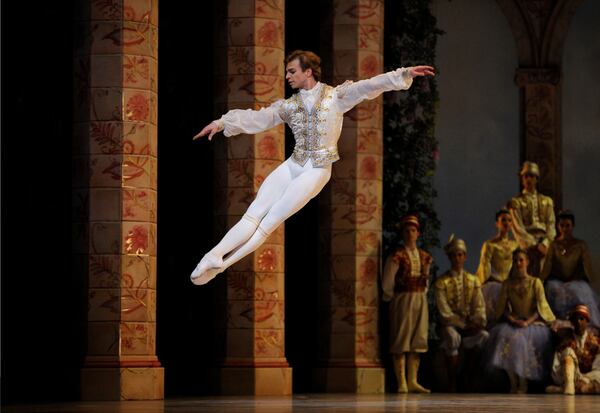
{"x": 209, "y": 130}
{"x": 421, "y": 71}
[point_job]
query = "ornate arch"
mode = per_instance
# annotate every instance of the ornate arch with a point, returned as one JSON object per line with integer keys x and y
{"x": 540, "y": 28}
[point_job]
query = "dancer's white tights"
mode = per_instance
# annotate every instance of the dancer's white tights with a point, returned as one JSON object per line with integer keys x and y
{"x": 283, "y": 193}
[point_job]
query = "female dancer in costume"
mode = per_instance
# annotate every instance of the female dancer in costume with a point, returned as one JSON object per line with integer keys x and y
{"x": 495, "y": 262}
{"x": 521, "y": 345}
{"x": 315, "y": 115}
{"x": 568, "y": 272}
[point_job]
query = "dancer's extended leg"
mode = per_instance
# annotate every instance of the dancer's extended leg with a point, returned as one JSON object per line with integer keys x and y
{"x": 271, "y": 190}
{"x": 301, "y": 190}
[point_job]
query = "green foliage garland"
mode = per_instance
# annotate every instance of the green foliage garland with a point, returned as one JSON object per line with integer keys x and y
{"x": 410, "y": 147}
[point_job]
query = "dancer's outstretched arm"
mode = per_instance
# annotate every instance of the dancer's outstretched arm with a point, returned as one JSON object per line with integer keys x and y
{"x": 351, "y": 93}
{"x": 249, "y": 121}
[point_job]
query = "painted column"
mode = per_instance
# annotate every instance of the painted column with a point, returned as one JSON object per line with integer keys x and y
{"x": 250, "y": 74}
{"x": 540, "y": 29}
{"x": 352, "y": 211}
{"x": 115, "y": 166}
{"x": 541, "y": 126}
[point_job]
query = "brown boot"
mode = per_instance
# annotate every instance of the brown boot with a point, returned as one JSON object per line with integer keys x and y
{"x": 400, "y": 369}
{"x": 413, "y": 369}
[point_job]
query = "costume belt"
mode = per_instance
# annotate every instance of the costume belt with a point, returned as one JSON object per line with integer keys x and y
{"x": 411, "y": 285}
{"x": 321, "y": 157}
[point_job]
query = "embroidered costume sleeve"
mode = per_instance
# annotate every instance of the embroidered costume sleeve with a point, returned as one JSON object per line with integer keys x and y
{"x": 548, "y": 262}
{"x": 250, "y": 121}
{"x": 543, "y": 308}
{"x": 485, "y": 262}
{"x": 388, "y": 279}
{"x": 350, "y": 94}
{"x": 477, "y": 313}
{"x": 548, "y": 207}
{"x": 446, "y": 298}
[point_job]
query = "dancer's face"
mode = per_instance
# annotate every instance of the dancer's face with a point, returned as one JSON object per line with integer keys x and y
{"x": 410, "y": 234}
{"x": 457, "y": 260}
{"x": 565, "y": 226}
{"x": 529, "y": 182}
{"x": 504, "y": 222}
{"x": 579, "y": 323}
{"x": 295, "y": 76}
{"x": 521, "y": 262}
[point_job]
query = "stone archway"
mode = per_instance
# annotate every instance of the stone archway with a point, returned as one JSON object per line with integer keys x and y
{"x": 540, "y": 28}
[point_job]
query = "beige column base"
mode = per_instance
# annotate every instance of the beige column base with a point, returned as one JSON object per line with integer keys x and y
{"x": 259, "y": 381}
{"x": 359, "y": 380}
{"x": 122, "y": 383}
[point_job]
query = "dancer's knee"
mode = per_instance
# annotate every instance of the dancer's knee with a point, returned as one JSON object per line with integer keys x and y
{"x": 257, "y": 210}
{"x": 250, "y": 218}
{"x": 270, "y": 223}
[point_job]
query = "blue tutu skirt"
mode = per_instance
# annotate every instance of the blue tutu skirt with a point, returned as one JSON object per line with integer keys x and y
{"x": 526, "y": 352}
{"x": 491, "y": 292}
{"x": 563, "y": 296}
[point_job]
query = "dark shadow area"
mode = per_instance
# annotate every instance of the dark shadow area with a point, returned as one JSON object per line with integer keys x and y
{"x": 185, "y": 313}
{"x": 302, "y": 229}
{"x": 43, "y": 300}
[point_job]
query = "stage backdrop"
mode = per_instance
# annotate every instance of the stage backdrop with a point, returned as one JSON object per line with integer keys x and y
{"x": 477, "y": 122}
{"x": 581, "y": 127}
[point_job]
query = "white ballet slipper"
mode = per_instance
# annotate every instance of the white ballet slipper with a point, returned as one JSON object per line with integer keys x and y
{"x": 207, "y": 269}
{"x": 207, "y": 275}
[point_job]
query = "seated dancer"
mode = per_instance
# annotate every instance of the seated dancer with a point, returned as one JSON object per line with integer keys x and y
{"x": 576, "y": 366}
{"x": 405, "y": 279}
{"x": 533, "y": 218}
{"x": 568, "y": 272}
{"x": 462, "y": 310}
{"x": 315, "y": 115}
{"x": 495, "y": 262}
{"x": 522, "y": 344}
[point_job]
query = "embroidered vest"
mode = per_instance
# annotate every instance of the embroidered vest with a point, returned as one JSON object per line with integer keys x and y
{"x": 316, "y": 131}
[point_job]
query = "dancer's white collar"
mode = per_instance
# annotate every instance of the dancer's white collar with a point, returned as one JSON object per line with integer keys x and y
{"x": 311, "y": 92}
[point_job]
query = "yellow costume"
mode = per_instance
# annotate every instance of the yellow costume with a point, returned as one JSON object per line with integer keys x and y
{"x": 460, "y": 303}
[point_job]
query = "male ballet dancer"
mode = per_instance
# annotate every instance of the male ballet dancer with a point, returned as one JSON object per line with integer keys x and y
{"x": 315, "y": 115}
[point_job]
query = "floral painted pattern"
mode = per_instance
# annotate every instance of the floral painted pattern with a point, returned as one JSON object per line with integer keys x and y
{"x": 368, "y": 36}
{"x": 269, "y": 343}
{"x": 267, "y": 260}
{"x": 137, "y": 108}
{"x": 368, "y": 168}
{"x": 364, "y": 10}
{"x": 269, "y": 34}
{"x": 136, "y": 241}
{"x": 369, "y": 66}
{"x": 367, "y": 241}
{"x": 136, "y": 68}
{"x": 268, "y": 147}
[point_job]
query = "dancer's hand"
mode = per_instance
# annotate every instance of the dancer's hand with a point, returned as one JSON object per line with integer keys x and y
{"x": 421, "y": 71}
{"x": 209, "y": 130}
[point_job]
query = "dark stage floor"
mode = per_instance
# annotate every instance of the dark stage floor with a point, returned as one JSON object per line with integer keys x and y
{"x": 338, "y": 403}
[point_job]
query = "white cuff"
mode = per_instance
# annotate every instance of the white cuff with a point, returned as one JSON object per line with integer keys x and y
{"x": 220, "y": 124}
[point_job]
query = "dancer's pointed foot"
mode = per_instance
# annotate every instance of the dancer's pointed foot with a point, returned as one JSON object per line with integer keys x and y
{"x": 207, "y": 269}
